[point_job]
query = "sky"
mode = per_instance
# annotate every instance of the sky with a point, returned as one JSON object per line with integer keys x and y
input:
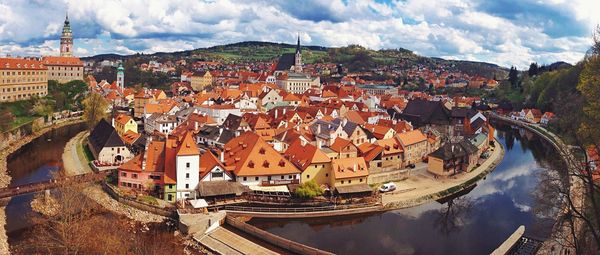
{"x": 504, "y": 32}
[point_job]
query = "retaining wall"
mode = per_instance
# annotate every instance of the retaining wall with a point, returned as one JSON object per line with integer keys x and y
{"x": 280, "y": 242}
{"x": 136, "y": 204}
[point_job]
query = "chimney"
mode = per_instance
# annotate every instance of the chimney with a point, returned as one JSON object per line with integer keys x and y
{"x": 319, "y": 144}
{"x": 220, "y": 131}
{"x": 354, "y": 168}
{"x": 113, "y": 121}
{"x": 284, "y": 111}
{"x": 318, "y": 128}
{"x": 222, "y": 158}
{"x": 276, "y": 110}
{"x": 344, "y": 121}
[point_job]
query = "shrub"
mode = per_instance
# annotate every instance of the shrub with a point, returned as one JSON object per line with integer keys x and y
{"x": 309, "y": 189}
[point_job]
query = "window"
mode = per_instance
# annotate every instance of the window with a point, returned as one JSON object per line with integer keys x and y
{"x": 256, "y": 178}
{"x": 326, "y": 175}
{"x": 187, "y": 186}
{"x": 245, "y": 179}
{"x": 282, "y": 177}
{"x": 124, "y": 174}
{"x": 187, "y": 175}
{"x": 134, "y": 176}
{"x": 187, "y": 164}
{"x": 342, "y": 182}
{"x": 360, "y": 180}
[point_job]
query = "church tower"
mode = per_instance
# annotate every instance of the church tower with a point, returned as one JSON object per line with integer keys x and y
{"x": 121, "y": 77}
{"x": 66, "y": 40}
{"x": 298, "y": 58}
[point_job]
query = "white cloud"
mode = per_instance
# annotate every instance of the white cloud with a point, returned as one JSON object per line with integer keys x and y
{"x": 454, "y": 29}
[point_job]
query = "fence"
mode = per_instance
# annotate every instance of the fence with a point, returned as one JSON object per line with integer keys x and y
{"x": 273, "y": 239}
{"x": 136, "y": 204}
{"x": 298, "y": 209}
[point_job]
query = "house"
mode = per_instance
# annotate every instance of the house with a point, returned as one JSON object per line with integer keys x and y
{"x": 314, "y": 164}
{"x": 213, "y": 136}
{"x": 212, "y": 169}
{"x": 145, "y": 171}
{"x": 187, "y": 164}
{"x": 124, "y": 123}
{"x": 415, "y": 146}
{"x": 200, "y": 80}
{"x": 218, "y": 112}
{"x": 256, "y": 163}
{"x": 106, "y": 144}
{"x": 162, "y": 123}
{"x": 423, "y": 113}
{"x": 342, "y": 148}
{"x": 349, "y": 176}
{"x": 392, "y": 155}
{"x": 531, "y": 115}
{"x": 546, "y": 118}
{"x": 452, "y": 158}
{"x": 373, "y": 155}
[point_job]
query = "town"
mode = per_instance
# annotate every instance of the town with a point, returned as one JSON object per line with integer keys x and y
{"x": 208, "y": 141}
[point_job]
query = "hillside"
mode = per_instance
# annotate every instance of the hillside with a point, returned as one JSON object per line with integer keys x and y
{"x": 355, "y": 57}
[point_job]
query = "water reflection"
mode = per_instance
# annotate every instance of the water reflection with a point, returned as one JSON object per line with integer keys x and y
{"x": 35, "y": 162}
{"x": 473, "y": 224}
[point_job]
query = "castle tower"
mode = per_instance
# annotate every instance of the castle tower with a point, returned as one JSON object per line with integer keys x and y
{"x": 298, "y": 58}
{"x": 121, "y": 76}
{"x": 66, "y": 40}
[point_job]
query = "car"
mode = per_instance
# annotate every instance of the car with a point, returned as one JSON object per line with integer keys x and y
{"x": 390, "y": 186}
{"x": 411, "y": 166}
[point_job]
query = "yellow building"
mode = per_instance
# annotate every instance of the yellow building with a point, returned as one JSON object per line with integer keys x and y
{"x": 64, "y": 69}
{"x": 124, "y": 123}
{"x": 347, "y": 172}
{"x": 201, "y": 79}
{"x": 314, "y": 163}
{"x": 20, "y": 79}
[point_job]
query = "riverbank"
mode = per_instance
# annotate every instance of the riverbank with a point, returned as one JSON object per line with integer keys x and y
{"x": 5, "y": 178}
{"x": 422, "y": 188}
{"x": 561, "y": 236}
{"x": 75, "y": 163}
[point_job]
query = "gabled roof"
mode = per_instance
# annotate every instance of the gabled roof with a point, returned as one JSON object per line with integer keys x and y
{"x": 286, "y": 61}
{"x": 349, "y": 168}
{"x": 340, "y": 144}
{"x": 422, "y": 112}
{"x": 454, "y": 150}
{"x": 104, "y": 135}
{"x": 369, "y": 151}
{"x": 304, "y": 156}
{"x": 250, "y": 155}
{"x": 391, "y": 145}
{"x": 411, "y": 137}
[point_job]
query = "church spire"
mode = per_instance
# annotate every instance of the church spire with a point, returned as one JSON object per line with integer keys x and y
{"x": 298, "y": 45}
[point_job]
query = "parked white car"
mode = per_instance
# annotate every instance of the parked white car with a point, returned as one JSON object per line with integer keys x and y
{"x": 390, "y": 186}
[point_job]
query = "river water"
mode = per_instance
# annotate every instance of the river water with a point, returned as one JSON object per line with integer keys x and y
{"x": 35, "y": 162}
{"x": 475, "y": 223}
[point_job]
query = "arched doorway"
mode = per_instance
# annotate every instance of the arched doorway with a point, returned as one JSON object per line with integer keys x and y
{"x": 118, "y": 159}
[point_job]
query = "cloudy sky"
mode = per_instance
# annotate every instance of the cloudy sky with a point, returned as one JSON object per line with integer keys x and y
{"x": 505, "y": 32}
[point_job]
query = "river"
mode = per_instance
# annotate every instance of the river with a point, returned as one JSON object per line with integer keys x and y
{"x": 35, "y": 162}
{"x": 475, "y": 223}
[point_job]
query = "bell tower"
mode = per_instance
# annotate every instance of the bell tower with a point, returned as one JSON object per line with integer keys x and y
{"x": 66, "y": 39}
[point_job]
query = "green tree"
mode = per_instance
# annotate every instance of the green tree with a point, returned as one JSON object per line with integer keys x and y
{"x": 513, "y": 76}
{"x": 309, "y": 189}
{"x": 94, "y": 109}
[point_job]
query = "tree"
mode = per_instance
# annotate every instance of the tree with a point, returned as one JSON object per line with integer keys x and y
{"x": 513, "y": 76}
{"x": 533, "y": 69}
{"x": 7, "y": 117}
{"x": 94, "y": 109}
{"x": 43, "y": 107}
{"x": 309, "y": 189}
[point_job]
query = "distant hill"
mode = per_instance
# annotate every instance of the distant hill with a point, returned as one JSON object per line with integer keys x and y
{"x": 354, "y": 57}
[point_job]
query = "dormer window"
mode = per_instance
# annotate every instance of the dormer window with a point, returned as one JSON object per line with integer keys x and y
{"x": 251, "y": 164}
{"x": 261, "y": 151}
{"x": 266, "y": 163}
{"x": 281, "y": 163}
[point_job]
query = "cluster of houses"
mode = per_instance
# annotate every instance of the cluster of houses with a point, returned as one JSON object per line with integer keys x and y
{"x": 263, "y": 136}
{"x": 533, "y": 115}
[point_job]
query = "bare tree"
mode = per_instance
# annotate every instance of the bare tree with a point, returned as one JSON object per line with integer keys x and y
{"x": 452, "y": 217}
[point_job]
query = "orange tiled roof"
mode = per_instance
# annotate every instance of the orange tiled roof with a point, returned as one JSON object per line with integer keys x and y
{"x": 250, "y": 155}
{"x": 349, "y": 168}
{"x": 390, "y": 146}
{"x": 188, "y": 146}
{"x": 122, "y": 119}
{"x": 62, "y": 61}
{"x": 21, "y": 64}
{"x": 303, "y": 156}
{"x": 412, "y": 137}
